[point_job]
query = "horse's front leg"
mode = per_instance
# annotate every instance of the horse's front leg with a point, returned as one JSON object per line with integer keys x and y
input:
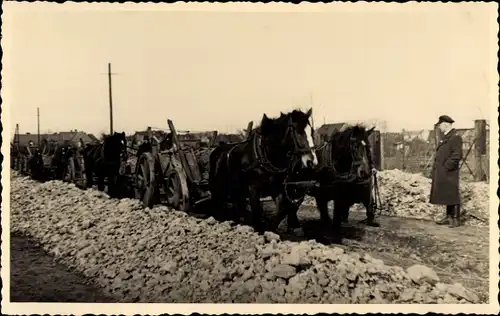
{"x": 101, "y": 175}
{"x": 280, "y": 212}
{"x": 322, "y": 205}
{"x": 292, "y": 219}
{"x": 339, "y": 210}
{"x": 89, "y": 180}
{"x": 256, "y": 208}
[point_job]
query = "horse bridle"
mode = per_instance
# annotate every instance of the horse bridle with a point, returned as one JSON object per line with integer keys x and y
{"x": 348, "y": 176}
{"x": 260, "y": 154}
{"x": 292, "y": 129}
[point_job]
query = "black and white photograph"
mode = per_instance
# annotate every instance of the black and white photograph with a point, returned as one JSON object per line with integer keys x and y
{"x": 215, "y": 155}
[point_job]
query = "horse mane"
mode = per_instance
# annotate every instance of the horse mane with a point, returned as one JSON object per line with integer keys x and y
{"x": 341, "y": 140}
{"x": 267, "y": 123}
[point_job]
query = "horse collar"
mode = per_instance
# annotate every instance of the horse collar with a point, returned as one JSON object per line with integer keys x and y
{"x": 261, "y": 158}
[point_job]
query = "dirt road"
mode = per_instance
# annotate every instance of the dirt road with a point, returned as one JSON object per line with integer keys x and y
{"x": 36, "y": 277}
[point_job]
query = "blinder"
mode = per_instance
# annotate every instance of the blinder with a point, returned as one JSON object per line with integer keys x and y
{"x": 292, "y": 132}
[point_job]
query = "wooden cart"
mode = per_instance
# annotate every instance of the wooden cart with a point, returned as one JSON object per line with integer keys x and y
{"x": 172, "y": 175}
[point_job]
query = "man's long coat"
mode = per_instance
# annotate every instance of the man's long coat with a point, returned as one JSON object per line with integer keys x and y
{"x": 445, "y": 188}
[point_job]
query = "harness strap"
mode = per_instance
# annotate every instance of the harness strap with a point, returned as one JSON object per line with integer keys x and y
{"x": 260, "y": 156}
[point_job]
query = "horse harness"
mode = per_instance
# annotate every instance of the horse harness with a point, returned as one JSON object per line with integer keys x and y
{"x": 261, "y": 160}
{"x": 326, "y": 151}
{"x": 350, "y": 176}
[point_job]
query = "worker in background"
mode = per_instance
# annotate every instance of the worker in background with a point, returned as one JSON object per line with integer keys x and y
{"x": 445, "y": 189}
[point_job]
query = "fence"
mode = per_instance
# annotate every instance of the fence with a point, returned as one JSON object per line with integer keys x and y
{"x": 413, "y": 151}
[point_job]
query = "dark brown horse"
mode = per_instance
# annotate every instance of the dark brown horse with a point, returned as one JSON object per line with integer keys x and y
{"x": 259, "y": 166}
{"x": 104, "y": 160}
{"x": 344, "y": 175}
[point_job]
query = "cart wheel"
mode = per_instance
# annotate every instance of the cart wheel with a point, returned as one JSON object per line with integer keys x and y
{"x": 145, "y": 179}
{"x": 177, "y": 194}
{"x": 69, "y": 174}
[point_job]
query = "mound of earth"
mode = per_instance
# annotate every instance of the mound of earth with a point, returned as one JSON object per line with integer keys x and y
{"x": 160, "y": 255}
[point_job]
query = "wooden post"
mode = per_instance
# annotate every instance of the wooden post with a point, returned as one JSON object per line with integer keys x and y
{"x": 38, "y": 125}
{"x": 382, "y": 153}
{"x": 479, "y": 149}
{"x": 374, "y": 140}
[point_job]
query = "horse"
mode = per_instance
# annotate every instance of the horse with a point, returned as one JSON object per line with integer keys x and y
{"x": 259, "y": 166}
{"x": 344, "y": 174}
{"x": 104, "y": 160}
{"x": 36, "y": 166}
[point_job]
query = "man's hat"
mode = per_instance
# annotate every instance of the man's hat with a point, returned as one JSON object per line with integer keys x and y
{"x": 445, "y": 119}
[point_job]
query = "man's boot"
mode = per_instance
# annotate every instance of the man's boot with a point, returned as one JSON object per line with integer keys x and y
{"x": 446, "y": 220}
{"x": 456, "y": 217}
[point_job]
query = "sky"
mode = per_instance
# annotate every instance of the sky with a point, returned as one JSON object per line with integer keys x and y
{"x": 209, "y": 70}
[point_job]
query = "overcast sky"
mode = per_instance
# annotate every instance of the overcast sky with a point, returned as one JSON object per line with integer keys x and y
{"x": 219, "y": 70}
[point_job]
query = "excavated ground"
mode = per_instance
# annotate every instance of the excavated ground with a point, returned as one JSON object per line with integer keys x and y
{"x": 36, "y": 277}
{"x": 160, "y": 255}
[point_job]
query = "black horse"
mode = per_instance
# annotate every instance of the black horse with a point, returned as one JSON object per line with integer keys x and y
{"x": 259, "y": 166}
{"x": 104, "y": 160}
{"x": 36, "y": 166}
{"x": 344, "y": 175}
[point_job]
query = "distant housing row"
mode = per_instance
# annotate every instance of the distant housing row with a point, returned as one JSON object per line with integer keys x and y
{"x": 391, "y": 139}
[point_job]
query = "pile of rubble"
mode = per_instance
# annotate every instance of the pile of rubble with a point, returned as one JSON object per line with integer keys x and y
{"x": 407, "y": 195}
{"x": 160, "y": 255}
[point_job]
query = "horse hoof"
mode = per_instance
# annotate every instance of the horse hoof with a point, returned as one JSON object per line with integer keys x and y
{"x": 373, "y": 224}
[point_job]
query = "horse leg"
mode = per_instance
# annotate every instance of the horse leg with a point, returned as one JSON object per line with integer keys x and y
{"x": 88, "y": 175}
{"x": 239, "y": 204}
{"x": 280, "y": 214}
{"x": 111, "y": 185}
{"x": 338, "y": 211}
{"x": 100, "y": 180}
{"x": 292, "y": 220}
{"x": 322, "y": 205}
{"x": 256, "y": 209}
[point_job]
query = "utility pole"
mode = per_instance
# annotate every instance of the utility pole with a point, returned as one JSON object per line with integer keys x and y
{"x": 110, "y": 101}
{"x": 109, "y": 74}
{"x": 38, "y": 125}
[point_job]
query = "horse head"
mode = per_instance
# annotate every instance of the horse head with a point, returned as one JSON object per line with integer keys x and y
{"x": 291, "y": 134}
{"x": 351, "y": 149}
{"x": 116, "y": 145}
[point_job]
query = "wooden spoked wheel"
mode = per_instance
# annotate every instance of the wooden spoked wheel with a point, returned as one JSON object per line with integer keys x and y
{"x": 145, "y": 179}
{"x": 175, "y": 191}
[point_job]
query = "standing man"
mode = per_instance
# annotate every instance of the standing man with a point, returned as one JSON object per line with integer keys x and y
{"x": 445, "y": 189}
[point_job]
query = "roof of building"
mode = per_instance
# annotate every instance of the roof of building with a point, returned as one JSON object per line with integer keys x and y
{"x": 327, "y": 129}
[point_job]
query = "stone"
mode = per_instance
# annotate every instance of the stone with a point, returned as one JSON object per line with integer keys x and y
{"x": 420, "y": 274}
{"x": 459, "y": 291}
{"x": 270, "y": 236}
{"x": 283, "y": 271}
